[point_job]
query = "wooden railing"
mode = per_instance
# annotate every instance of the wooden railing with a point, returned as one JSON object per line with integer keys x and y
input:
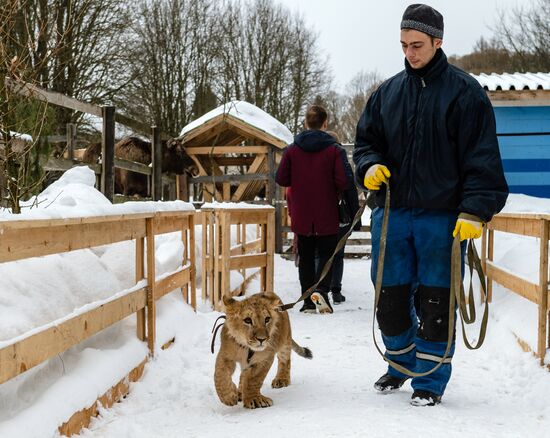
{"x": 525, "y": 224}
{"x": 219, "y": 258}
{"x": 33, "y": 238}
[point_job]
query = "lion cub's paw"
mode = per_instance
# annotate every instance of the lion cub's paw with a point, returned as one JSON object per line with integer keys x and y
{"x": 280, "y": 383}
{"x": 230, "y": 399}
{"x": 258, "y": 402}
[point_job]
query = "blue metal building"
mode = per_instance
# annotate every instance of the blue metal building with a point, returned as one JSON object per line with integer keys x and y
{"x": 522, "y": 110}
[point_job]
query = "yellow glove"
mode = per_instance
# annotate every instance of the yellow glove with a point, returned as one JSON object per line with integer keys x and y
{"x": 375, "y": 176}
{"x": 468, "y": 227}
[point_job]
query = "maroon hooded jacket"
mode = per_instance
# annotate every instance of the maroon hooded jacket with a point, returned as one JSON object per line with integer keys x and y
{"x": 313, "y": 167}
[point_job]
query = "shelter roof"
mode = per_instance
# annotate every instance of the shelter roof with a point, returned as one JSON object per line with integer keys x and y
{"x": 240, "y": 115}
{"x": 514, "y": 81}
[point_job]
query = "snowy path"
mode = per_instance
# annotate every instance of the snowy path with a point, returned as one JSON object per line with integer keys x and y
{"x": 496, "y": 392}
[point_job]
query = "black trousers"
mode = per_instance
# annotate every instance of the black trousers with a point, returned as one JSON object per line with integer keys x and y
{"x": 308, "y": 248}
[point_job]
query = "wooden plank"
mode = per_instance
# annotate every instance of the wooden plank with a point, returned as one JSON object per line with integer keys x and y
{"x": 246, "y": 247}
{"x": 133, "y": 166}
{"x": 255, "y": 132}
{"x": 39, "y": 347}
{"x": 156, "y": 155}
{"x": 204, "y": 254}
{"x": 229, "y": 178}
{"x": 234, "y": 161}
{"x": 222, "y": 150}
{"x": 62, "y": 165}
{"x": 189, "y": 136}
{"x": 151, "y": 284}
{"x": 516, "y": 284}
{"x": 254, "y": 168}
{"x": 270, "y": 262}
{"x": 225, "y": 260}
{"x": 525, "y": 226}
{"x": 519, "y": 97}
{"x": 191, "y": 243}
{"x": 543, "y": 291}
{"x": 172, "y": 282}
{"x": 108, "y": 152}
{"x": 29, "y": 90}
{"x": 40, "y": 241}
{"x": 82, "y": 418}
{"x": 249, "y": 216}
{"x": 71, "y": 140}
{"x": 140, "y": 275}
{"x": 170, "y": 224}
{"x": 248, "y": 261}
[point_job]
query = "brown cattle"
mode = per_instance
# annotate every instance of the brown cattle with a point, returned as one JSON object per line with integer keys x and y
{"x": 174, "y": 160}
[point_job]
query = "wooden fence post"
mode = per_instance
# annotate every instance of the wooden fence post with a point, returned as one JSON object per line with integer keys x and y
{"x": 71, "y": 139}
{"x": 182, "y": 187}
{"x": 140, "y": 274}
{"x": 151, "y": 303}
{"x": 156, "y": 155}
{"x": 108, "y": 153}
{"x": 270, "y": 250}
{"x": 543, "y": 290}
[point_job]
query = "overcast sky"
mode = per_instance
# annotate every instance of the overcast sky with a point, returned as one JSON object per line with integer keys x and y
{"x": 364, "y": 34}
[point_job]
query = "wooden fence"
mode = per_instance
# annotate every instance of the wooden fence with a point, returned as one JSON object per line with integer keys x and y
{"x": 219, "y": 258}
{"x": 525, "y": 224}
{"x": 34, "y": 238}
{"x": 109, "y": 116}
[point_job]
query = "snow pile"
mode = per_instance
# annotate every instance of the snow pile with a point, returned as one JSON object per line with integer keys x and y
{"x": 332, "y": 395}
{"x": 248, "y": 113}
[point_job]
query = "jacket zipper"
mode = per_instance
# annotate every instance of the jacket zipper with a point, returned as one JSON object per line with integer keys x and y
{"x": 415, "y": 146}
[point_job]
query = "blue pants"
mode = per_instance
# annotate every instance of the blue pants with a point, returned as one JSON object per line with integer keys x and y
{"x": 417, "y": 270}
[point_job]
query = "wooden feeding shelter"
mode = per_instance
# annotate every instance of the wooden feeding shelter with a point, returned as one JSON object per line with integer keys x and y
{"x": 236, "y": 148}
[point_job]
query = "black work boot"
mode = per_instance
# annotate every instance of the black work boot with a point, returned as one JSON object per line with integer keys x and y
{"x": 388, "y": 383}
{"x": 425, "y": 398}
{"x": 337, "y": 297}
{"x": 322, "y": 302}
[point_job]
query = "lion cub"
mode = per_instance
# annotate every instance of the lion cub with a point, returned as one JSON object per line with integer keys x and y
{"x": 253, "y": 333}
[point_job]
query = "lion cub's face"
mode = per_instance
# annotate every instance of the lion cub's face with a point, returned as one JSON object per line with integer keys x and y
{"x": 252, "y": 321}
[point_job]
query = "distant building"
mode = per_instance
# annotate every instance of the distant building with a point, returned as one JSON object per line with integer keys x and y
{"x": 522, "y": 109}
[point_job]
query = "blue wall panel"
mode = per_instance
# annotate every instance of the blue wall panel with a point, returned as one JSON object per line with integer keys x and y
{"x": 526, "y": 158}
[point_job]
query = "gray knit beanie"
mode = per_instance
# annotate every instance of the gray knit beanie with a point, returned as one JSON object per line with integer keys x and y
{"x": 423, "y": 18}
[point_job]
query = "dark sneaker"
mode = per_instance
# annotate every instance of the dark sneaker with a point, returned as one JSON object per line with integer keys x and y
{"x": 425, "y": 398}
{"x": 388, "y": 383}
{"x": 322, "y": 302}
{"x": 337, "y": 297}
{"x": 308, "y": 307}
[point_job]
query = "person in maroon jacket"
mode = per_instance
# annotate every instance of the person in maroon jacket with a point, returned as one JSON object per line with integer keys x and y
{"x": 313, "y": 167}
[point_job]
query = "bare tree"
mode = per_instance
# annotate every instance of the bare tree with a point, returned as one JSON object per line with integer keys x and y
{"x": 19, "y": 172}
{"x": 270, "y": 58}
{"x": 525, "y": 34}
{"x": 170, "y": 62}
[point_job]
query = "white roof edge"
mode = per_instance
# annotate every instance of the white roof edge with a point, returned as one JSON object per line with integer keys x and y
{"x": 248, "y": 113}
{"x": 514, "y": 81}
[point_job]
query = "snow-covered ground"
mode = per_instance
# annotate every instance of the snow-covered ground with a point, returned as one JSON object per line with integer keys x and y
{"x": 498, "y": 391}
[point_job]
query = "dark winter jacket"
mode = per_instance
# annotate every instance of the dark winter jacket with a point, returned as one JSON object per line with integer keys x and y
{"x": 350, "y": 193}
{"x": 436, "y": 134}
{"x": 313, "y": 167}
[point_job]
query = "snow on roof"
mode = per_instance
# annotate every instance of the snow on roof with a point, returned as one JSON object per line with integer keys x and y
{"x": 25, "y": 137}
{"x": 515, "y": 81}
{"x": 249, "y": 114}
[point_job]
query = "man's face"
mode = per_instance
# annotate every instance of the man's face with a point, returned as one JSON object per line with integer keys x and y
{"x": 418, "y": 47}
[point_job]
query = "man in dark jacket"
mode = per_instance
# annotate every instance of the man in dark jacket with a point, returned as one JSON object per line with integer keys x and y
{"x": 430, "y": 133}
{"x": 313, "y": 168}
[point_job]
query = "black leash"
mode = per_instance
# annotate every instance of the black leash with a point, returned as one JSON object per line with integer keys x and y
{"x": 215, "y": 329}
{"x": 328, "y": 264}
{"x": 456, "y": 294}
